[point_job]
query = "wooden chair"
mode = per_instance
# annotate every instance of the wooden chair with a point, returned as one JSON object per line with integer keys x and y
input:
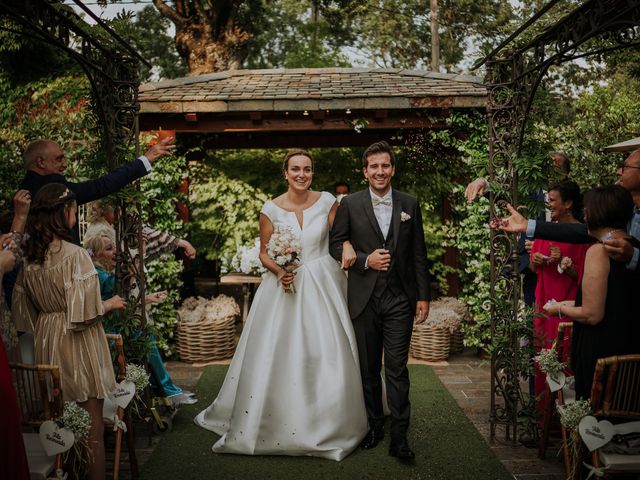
{"x": 39, "y": 393}
{"x": 615, "y": 394}
{"x": 123, "y": 415}
{"x": 555, "y": 398}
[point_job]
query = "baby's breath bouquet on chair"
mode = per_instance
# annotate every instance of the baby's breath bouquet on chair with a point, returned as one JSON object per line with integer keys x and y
{"x": 77, "y": 420}
{"x": 284, "y": 248}
{"x": 137, "y": 375}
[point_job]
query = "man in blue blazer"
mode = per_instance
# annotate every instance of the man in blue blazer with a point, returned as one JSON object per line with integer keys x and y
{"x": 45, "y": 163}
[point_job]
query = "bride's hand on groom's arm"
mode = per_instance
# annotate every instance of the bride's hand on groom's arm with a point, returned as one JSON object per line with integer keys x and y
{"x": 349, "y": 256}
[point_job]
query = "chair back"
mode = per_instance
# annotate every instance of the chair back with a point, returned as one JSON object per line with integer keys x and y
{"x": 615, "y": 391}
{"x": 563, "y": 341}
{"x": 39, "y": 392}
{"x": 118, "y": 347}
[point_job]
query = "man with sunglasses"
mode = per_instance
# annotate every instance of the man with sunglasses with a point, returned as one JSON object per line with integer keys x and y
{"x": 618, "y": 249}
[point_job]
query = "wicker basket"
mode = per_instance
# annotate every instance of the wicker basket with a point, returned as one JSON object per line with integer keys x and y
{"x": 457, "y": 341}
{"x": 430, "y": 343}
{"x": 206, "y": 340}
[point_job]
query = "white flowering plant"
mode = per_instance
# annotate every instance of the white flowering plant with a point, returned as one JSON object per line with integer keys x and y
{"x": 572, "y": 413}
{"x": 78, "y": 420}
{"x": 548, "y": 362}
{"x": 284, "y": 248}
{"x": 138, "y": 376}
{"x": 570, "y": 416}
{"x": 246, "y": 260}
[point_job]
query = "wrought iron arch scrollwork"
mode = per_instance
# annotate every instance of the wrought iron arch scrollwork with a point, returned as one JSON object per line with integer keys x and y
{"x": 514, "y": 71}
{"x": 111, "y": 66}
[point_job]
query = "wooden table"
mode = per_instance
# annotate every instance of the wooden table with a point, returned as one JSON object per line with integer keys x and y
{"x": 248, "y": 283}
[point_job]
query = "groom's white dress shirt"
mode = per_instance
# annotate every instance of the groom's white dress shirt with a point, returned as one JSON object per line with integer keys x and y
{"x": 383, "y": 209}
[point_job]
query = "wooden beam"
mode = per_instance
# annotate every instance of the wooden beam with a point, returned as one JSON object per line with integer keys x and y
{"x": 285, "y": 123}
{"x": 255, "y": 117}
{"x": 300, "y": 139}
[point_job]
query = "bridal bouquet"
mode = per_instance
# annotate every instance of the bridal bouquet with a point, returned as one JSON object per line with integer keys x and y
{"x": 284, "y": 248}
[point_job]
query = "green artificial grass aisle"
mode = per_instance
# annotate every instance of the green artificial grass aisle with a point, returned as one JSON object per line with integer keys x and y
{"x": 447, "y": 445}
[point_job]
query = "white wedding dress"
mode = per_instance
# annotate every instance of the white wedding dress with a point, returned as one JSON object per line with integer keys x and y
{"x": 293, "y": 386}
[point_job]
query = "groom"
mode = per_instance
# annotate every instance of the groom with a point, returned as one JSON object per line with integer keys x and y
{"x": 388, "y": 288}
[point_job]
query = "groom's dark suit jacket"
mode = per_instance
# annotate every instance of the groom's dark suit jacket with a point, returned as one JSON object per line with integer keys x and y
{"x": 356, "y": 222}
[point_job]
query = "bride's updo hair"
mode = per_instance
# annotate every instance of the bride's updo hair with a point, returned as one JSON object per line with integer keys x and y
{"x": 293, "y": 153}
{"x": 47, "y": 217}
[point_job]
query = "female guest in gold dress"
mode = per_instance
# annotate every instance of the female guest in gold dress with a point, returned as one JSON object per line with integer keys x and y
{"x": 57, "y": 297}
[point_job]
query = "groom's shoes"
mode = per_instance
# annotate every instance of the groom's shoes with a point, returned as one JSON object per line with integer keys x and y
{"x": 400, "y": 449}
{"x": 373, "y": 437}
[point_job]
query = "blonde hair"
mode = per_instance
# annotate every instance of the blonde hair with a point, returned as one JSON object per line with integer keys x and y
{"x": 95, "y": 246}
{"x": 96, "y": 211}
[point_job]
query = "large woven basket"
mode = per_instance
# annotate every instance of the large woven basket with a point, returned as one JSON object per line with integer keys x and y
{"x": 206, "y": 340}
{"x": 430, "y": 343}
{"x": 457, "y": 341}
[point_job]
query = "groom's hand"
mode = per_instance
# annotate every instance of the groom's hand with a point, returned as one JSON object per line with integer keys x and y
{"x": 422, "y": 311}
{"x": 379, "y": 259}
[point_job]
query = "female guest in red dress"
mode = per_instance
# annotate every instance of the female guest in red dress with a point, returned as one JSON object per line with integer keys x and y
{"x": 559, "y": 268}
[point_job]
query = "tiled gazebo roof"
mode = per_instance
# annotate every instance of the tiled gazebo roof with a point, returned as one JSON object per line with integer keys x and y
{"x": 312, "y": 89}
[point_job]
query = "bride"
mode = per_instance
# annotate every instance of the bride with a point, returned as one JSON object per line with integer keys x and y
{"x": 294, "y": 386}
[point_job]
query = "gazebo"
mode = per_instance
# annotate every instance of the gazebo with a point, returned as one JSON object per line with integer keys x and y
{"x": 307, "y": 107}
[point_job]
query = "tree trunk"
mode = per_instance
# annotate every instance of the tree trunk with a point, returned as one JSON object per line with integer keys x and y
{"x": 208, "y": 39}
{"x": 435, "y": 37}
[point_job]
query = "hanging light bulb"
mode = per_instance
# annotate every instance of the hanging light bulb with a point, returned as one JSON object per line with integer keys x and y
{"x": 348, "y": 112}
{"x": 306, "y": 113}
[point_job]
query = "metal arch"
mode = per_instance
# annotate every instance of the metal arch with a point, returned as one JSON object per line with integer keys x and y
{"x": 513, "y": 76}
{"x": 112, "y": 69}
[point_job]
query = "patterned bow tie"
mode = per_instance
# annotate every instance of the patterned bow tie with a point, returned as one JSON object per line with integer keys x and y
{"x": 381, "y": 201}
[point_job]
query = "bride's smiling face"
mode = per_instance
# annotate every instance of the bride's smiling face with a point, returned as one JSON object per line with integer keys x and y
{"x": 299, "y": 172}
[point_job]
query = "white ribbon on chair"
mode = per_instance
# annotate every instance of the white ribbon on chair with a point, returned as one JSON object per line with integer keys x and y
{"x": 119, "y": 424}
{"x": 598, "y": 472}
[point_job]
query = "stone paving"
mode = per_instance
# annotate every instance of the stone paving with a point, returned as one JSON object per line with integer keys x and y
{"x": 467, "y": 379}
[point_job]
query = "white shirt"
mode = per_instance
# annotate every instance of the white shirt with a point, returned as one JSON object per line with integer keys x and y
{"x": 145, "y": 161}
{"x": 383, "y": 212}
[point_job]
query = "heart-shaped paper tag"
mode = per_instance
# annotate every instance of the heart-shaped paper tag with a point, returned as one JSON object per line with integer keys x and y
{"x": 594, "y": 433}
{"x": 109, "y": 408}
{"x": 123, "y": 394}
{"x": 557, "y": 382}
{"x": 55, "y": 439}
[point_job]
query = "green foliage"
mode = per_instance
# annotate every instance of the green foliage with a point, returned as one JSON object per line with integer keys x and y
{"x": 608, "y": 114}
{"x": 49, "y": 108}
{"x": 290, "y": 37}
{"x": 224, "y": 212}
{"x": 159, "y": 199}
{"x": 472, "y": 241}
{"x": 164, "y": 274}
{"x": 147, "y": 33}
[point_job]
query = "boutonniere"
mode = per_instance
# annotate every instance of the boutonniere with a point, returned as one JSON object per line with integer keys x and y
{"x": 404, "y": 216}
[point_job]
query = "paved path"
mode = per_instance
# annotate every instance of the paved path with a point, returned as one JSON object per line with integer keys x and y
{"x": 468, "y": 380}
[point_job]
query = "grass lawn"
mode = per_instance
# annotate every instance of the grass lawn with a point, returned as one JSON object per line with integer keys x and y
{"x": 447, "y": 445}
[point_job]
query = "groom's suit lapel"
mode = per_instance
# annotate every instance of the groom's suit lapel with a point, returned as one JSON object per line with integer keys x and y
{"x": 395, "y": 218}
{"x": 368, "y": 208}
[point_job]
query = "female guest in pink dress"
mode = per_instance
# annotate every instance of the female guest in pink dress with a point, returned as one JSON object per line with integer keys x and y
{"x": 559, "y": 268}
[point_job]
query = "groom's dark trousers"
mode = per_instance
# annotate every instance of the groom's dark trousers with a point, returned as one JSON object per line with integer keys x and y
{"x": 382, "y": 304}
